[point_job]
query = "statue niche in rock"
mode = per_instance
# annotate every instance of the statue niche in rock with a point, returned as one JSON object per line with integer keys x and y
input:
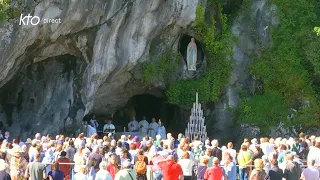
{"x": 192, "y": 55}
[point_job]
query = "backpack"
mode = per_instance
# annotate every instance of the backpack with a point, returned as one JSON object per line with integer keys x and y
{"x": 141, "y": 166}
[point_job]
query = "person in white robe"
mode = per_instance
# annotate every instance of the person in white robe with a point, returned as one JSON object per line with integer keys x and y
{"x": 144, "y": 125}
{"x": 94, "y": 122}
{"x": 91, "y": 130}
{"x": 109, "y": 127}
{"x": 133, "y": 125}
{"x": 153, "y": 128}
{"x": 161, "y": 130}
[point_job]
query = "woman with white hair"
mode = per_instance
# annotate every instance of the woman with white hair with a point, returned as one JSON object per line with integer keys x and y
{"x": 3, "y": 174}
{"x": 127, "y": 172}
{"x": 103, "y": 174}
{"x": 18, "y": 164}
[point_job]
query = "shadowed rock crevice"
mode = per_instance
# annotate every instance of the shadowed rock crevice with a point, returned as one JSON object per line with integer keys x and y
{"x": 31, "y": 99}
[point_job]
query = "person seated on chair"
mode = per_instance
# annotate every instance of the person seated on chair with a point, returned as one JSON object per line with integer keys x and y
{"x": 108, "y": 127}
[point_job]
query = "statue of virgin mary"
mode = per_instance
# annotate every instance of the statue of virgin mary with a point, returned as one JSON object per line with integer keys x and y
{"x": 192, "y": 55}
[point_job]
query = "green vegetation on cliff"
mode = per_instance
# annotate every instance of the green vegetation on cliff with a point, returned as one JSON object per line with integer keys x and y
{"x": 213, "y": 31}
{"x": 161, "y": 68}
{"x": 4, "y": 6}
{"x": 289, "y": 69}
{"x": 9, "y": 12}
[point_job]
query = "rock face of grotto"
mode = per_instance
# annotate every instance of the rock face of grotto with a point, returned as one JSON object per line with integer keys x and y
{"x": 52, "y": 75}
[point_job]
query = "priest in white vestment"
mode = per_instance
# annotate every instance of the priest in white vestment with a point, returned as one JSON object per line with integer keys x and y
{"x": 109, "y": 127}
{"x": 161, "y": 130}
{"x": 94, "y": 122}
{"x": 133, "y": 125}
{"x": 143, "y": 125}
{"x": 91, "y": 130}
{"x": 153, "y": 128}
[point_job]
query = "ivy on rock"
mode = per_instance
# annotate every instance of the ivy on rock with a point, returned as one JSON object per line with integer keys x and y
{"x": 289, "y": 69}
{"x": 218, "y": 50}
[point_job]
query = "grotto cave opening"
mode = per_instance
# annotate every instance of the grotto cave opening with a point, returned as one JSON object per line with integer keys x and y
{"x": 150, "y": 106}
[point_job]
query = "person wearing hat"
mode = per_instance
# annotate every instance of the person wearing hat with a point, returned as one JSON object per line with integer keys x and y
{"x": 136, "y": 141}
{"x": 127, "y": 173}
{"x": 18, "y": 164}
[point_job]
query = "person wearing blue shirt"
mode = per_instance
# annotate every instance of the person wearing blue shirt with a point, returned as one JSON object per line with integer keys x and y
{"x": 230, "y": 168}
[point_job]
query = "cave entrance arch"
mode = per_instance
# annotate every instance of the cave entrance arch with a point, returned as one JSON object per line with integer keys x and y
{"x": 150, "y": 106}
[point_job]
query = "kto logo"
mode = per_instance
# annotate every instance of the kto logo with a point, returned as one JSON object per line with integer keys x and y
{"x": 25, "y": 20}
{"x": 35, "y": 20}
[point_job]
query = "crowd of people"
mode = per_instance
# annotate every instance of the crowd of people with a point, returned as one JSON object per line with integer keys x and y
{"x": 159, "y": 158}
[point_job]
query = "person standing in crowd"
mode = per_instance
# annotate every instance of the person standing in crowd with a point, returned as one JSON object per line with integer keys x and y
{"x": 113, "y": 167}
{"x": 202, "y": 168}
{"x": 314, "y": 152}
{"x": 310, "y": 173}
{"x": 70, "y": 150}
{"x": 215, "y": 172}
{"x": 170, "y": 169}
{"x": 36, "y": 169}
{"x": 91, "y": 130}
{"x": 7, "y": 136}
{"x": 55, "y": 173}
{"x": 143, "y": 126}
{"x": 258, "y": 173}
{"x": 126, "y": 173}
{"x": 133, "y": 125}
{"x": 292, "y": 170}
{"x": 96, "y": 155}
{"x": 275, "y": 173}
{"x": 140, "y": 163}
{"x": 231, "y": 151}
{"x": 103, "y": 174}
{"x": 3, "y": 174}
{"x": 230, "y": 168}
{"x": 243, "y": 160}
{"x": 65, "y": 168}
{"x": 109, "y": 127}
{"x": 153, "y": 127}
{"x": 186, "y": 165}
{"x": 216, "y": 150}
{"x": 94, "y": 122}
{"x": 18, "y": 164}
{"x": 161, "y": 130}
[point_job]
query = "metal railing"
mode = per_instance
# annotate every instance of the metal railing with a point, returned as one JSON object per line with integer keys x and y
{"x": 150, "y": 173}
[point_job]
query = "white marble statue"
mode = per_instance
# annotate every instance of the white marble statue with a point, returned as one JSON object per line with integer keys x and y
{"x": 192, "y": 55}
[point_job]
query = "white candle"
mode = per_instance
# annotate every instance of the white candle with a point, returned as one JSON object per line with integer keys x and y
{"x": 197, "y": 97}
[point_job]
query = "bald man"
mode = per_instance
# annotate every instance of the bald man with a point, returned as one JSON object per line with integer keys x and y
{"x": 170, "y": 169}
